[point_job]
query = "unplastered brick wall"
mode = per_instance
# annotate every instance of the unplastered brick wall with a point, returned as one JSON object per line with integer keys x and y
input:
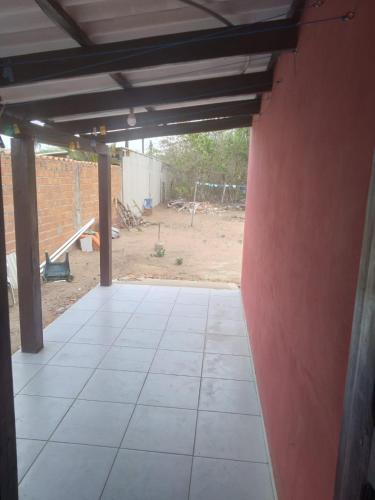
{"x": 67, "y": 192}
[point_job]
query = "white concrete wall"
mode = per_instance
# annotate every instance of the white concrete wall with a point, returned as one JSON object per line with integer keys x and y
{"x": 142, "y": 177}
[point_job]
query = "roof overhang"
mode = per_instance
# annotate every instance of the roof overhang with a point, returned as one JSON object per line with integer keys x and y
{"x": 81, "y": 66}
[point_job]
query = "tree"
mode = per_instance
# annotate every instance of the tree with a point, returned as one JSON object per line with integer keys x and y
{"x": 215, "y": 157}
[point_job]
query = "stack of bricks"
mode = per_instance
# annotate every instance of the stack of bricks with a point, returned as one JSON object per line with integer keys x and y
{"x": 67, "y": 192}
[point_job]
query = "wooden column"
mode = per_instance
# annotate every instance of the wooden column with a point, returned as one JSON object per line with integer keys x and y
{"x": 8, "y": 454}
{"x": 105, "y": 218}
{"x": 27, "y": 243}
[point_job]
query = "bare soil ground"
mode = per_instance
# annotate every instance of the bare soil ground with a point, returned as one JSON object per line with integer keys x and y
{"x": 211, "y": 250}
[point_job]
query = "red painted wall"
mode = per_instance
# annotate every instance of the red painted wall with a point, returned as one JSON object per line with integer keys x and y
{"x": 310, "y": 161}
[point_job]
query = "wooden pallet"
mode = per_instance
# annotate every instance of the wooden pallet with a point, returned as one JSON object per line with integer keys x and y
{"x": 127, "y": 217}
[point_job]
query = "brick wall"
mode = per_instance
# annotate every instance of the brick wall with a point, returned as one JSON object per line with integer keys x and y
{"x": 67, "y": 199}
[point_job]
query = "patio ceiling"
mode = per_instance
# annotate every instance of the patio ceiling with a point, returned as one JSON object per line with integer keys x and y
{"x": 75, "y": 64}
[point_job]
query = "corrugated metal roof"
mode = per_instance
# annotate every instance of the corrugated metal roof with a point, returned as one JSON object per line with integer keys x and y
{"x": 26, "y": 29}
{"x": 138, "y": 78}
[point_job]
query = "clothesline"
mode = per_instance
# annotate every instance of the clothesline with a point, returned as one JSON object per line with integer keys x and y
{"x": 209, "y": 184}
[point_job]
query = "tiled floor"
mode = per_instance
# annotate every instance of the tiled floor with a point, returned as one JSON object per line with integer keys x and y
{"x": 142, "y": 393}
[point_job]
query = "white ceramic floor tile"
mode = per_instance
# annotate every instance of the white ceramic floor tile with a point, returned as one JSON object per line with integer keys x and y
{"x": 74, "y": 317}
{"x": 148, "y": 339}
{"x": 57, "y": 332}
{"x": 231, "y": 436}
{"x": 120, "y": 306}
{"x": 81, "y": 355}
{"x": 128, "y": 358}
{"x": 182, "y": 342}
{"x": 139, "y": 344}
{"x": 42, "y": 357}
{"x": 186, "y": 324}
{"x": 233, "y": 396}
{"x": 227, "y": 366}
{"x": 92, "y": 334}
{"x": 190, "y": 310}
{"x": 227, "y": 344}
{"x": 154, "y": 307}
{"x": 114, "y": 385}
{"x": 226, "y": 479}
{"x": 94, "y": 422}
{"x": 177, "y": 363}
{"x": 68, "y": 471}
{"x": 148, "y": 321}
{"x": 226, "y": 327}
{"x": 112, "y": 319}
{"x": 188, "y": 298}
{"x": 23, "y": 373}
{"x": 140, "y": 475}
{"x": 27, "y": 451}
{"x": 161, "y": 429}
{"x": 170, "y": 390}
{"x": 58, "y": 381}
{"x": 37, "y": 417}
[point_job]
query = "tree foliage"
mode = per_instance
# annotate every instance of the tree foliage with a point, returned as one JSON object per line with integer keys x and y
{"x": 215, "y": 157}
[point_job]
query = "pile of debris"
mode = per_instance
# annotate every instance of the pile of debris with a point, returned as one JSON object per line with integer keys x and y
{"x": 204, "y": 206}
{"x": 128, "y": 218}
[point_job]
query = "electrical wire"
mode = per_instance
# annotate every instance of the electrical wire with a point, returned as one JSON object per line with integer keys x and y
{"x": 214, "y": 14}
{"x": 152, "y": 49}
{"x": 229, "y": 32}
{"x": 147, "y": 50}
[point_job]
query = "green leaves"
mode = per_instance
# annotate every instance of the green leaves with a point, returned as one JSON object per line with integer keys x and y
{"x": 217, "y": 157}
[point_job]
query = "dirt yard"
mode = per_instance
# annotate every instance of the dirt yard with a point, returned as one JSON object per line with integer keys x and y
{"x": 210, "y": 251}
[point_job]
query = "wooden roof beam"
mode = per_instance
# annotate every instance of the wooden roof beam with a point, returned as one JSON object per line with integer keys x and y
{"x": 147, "y": 52}
{"x": 163, "y": 117}
{"x": 170, "y": 93}
{"x": 179, "y": 129}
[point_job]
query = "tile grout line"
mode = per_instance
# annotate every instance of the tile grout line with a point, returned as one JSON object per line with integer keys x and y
{"x": 58, "y": 423}
{"x": 148, "y": 451}
{"x": 199, "y": 397}
{"x": 47, "y": 441}
{"x": 249, "y": 414}
{"x": 158, "y": 349}
{"x": 131, "y": 416}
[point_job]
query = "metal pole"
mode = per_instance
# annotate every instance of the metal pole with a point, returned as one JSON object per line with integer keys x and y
{"x": 223, "y": 195}
{"x": 193, "y": 211}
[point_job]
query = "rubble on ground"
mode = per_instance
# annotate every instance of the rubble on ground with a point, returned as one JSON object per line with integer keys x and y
{"x": 205, "y": 207}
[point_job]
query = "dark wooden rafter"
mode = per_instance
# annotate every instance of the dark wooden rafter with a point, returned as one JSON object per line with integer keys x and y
{"x": 61, "y": 18}
{"x": 142, "y": 96}
{"x": 10, "y": 125}
{"x": 179, "y": 129}
{"x": 163, "y": 117}
{"x": 55, "y": 12}
{"x": 296, "y": 10}
{"x": 154, "y": 51}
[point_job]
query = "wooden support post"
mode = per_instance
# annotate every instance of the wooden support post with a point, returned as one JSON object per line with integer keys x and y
{"x": 8, "y": 453}
{"x": 27, "y": 243}
{"x": 105, "y": 218}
